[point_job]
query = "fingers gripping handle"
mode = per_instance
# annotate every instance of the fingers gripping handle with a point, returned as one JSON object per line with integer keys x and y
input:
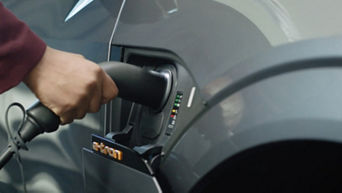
{"x": 135, "y": 84}
{"x": 149, "y": 88}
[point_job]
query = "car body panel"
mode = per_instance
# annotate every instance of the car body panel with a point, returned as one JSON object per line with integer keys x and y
{"x": 212, "y": 38}
{"x": 205, "y": 34}
{"x": 292, "y": 106}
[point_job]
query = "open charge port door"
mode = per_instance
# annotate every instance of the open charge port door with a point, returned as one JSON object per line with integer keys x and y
{"x": 138, "y": 137}
{"x": 111, "y": 167}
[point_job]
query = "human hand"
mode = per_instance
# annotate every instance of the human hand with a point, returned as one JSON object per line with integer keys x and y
{"x": 70, "y": 85}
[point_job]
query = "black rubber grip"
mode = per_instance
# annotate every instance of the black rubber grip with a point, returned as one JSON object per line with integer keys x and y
{"x": 44, "y": 117}
{"x": 136, "y": 84}
{"x": 5, "y": 157}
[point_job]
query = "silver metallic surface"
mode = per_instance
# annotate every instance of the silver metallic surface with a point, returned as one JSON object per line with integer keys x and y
{"x": 191, "y": 97}
{"x": 108, "y": 107}
{"x": 168, "y": 78}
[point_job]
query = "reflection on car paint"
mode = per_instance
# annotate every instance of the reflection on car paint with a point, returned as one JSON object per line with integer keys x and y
{"x": 81, "y": 4}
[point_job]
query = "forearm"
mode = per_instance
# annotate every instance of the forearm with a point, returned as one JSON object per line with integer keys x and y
{"x": 20, "y": 50}
{"x": 66, "y": 83}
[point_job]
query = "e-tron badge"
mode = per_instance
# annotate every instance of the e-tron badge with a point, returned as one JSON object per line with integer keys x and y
{"x": 77, "y": 8}
{"x": 111, "y": 150}
{"x": 106, "y": 148}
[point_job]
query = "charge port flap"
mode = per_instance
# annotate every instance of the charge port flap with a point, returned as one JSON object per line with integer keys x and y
{"x": 104, "y": 175}
{"x": 116, "y": 152}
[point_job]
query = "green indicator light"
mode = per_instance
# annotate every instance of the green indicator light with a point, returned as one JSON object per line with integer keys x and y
{"x": 177, "y": 100}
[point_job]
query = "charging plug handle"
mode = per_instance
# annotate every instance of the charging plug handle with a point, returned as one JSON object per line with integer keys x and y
{"x": 135, "y": 84}
{"x": 139, "y": 85}
{"x": 149, "y": 88}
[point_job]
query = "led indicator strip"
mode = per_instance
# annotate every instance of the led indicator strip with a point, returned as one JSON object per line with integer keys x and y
{"x": 174, "y": 112}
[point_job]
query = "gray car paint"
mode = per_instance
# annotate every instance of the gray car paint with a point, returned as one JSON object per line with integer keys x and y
{"x": 208, "y": 36}
{"x": 260, "y": 114}
{"x": 211, "y": 38}
{"x": 298, "y": 105}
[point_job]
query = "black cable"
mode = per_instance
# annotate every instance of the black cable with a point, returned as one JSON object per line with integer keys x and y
{"x": 14, "y": 140}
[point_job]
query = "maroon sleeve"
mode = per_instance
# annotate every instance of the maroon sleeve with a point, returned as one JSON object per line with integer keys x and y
{"x": 20, "y": 49}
